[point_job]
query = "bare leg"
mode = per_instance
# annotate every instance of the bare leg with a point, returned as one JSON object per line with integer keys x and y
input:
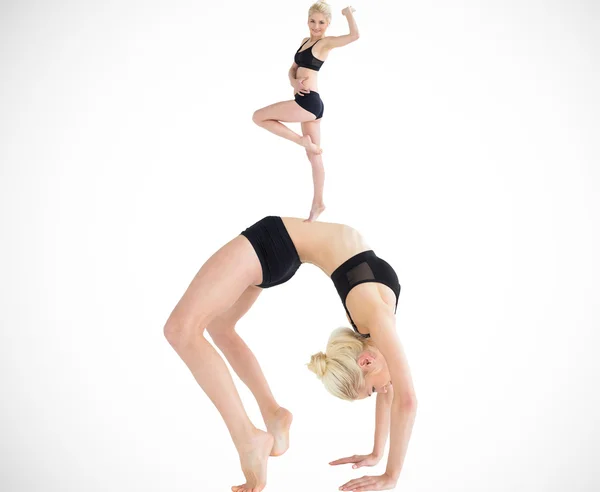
{"x": 215, "y": 288}
{"x": 313, "y": 130}
{"x": 270, "y": 118}
{"x": 222, "y": 330}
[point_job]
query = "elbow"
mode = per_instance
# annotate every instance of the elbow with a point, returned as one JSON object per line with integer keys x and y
{"x": 406, "y": 402}
{"x": 411, "y": 404}
{"x": 355, "y": 36}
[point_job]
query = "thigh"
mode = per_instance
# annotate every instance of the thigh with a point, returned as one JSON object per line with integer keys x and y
{"x": 218, "y": 284}
{"x": 313, "y": 129}
{"x": 286, "y": 111}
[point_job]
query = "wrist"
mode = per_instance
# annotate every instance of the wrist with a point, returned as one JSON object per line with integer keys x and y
{"x": 392, "y": 474}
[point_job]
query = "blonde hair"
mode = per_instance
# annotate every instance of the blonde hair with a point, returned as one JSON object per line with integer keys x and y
{"x": 338, "y": 367}
{"x": 322, "y": 8}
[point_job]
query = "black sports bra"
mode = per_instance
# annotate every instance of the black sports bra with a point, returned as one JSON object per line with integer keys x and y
{"x": 361, "y": 268}
{"x": 306, "y": 58}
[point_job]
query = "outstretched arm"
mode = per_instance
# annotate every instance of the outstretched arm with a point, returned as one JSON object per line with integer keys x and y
{"x": 402, "y": 408}
{"x": 382, "y": 421}
{"x": 338, "y": 41}
{"x": 404, "y": 403}
{"x": 382, "y": 428}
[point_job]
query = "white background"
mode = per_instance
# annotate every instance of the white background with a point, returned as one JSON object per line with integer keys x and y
{"x": 460, "y": 137}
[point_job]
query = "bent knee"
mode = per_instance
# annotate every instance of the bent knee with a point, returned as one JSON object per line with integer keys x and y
{"x": 172, "y": 331}
{"x": 177, "y": 332}
{"x": 257, "y": 117}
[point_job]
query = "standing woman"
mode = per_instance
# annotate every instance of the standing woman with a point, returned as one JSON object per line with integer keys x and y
{"x": 307, "y": 106}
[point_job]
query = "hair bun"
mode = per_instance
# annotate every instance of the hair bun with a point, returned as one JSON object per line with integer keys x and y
{"x": 318, "y": 364}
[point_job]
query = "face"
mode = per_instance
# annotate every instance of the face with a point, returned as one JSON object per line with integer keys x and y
{"x": 376, "y": 372}
{"x": 317, "y": 23}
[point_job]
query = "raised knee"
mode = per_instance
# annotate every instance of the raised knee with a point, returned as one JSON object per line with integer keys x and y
{"x": 172, "y": 331}
{"x": 256, "y": 117}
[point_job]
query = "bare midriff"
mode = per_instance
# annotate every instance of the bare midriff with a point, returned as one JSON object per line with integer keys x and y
{"x": 327, "y": 246}
{"x": 311, "y": 75}
{"x": 324, "y": 244}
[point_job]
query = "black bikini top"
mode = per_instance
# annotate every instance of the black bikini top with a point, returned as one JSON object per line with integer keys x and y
{"x": 361, "y": 268}
{"x": 306, "y": 58}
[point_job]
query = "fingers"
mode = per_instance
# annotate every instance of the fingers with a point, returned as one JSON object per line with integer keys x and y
{"x": 358, "y": 484}
{"x": 302, "y": 91}
{"x": 364, "y": 488}
{"x": 343, "y": 461}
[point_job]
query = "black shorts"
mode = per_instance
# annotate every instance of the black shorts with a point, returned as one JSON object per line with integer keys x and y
{"x": 311, "y": 102}
{"x": 275, "y": 250}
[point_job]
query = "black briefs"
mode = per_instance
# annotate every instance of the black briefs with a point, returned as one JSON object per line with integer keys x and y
{"x": 311, "y": 102}
{"x": 361, "y": 268}
{"x": 275, "y": 250}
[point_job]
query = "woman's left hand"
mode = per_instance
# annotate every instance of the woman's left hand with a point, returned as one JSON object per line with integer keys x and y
{"x": 381, "y": 482}
{"x": 348, "y": 10}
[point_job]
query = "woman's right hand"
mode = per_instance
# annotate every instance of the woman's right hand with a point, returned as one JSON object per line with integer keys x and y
{"x": 299, "y": 88}
{"x": 358, "y": 460}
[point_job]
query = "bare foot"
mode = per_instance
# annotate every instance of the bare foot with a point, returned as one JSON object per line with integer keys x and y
{"x": 279, "y": 425}
{"x": 253, "y": 458}
{"x": 315, "y": 211}
{"x": 308, "y": 144}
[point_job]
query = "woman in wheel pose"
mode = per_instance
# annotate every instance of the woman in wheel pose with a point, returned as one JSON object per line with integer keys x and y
{"x": 307, "y": 107}
{"x": 355, "y": 364}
